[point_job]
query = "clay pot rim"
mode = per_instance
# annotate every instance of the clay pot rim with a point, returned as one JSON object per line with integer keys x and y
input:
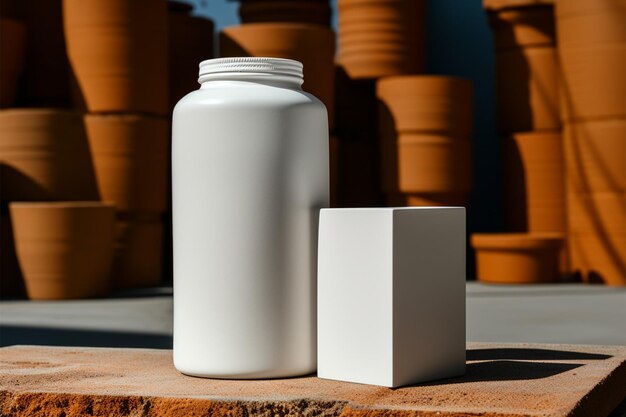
{"x": 517, "y": 241}
{"x": 496, "y": 5}
{"x": 60, "y": 205}
{"x": 38, "y": 111}
{"x": 423, "y": 137}
{"x": 536, "y": 134}
{"x": 124, "y": 117}
{"x": 421, "y": 77}
{"x": 395, "y": 85}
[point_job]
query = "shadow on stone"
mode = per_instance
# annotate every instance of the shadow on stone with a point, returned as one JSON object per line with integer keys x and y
{"x": 530, "y": 354}
{"x": 507, "y": 371}
{"x": 22, "y": 335}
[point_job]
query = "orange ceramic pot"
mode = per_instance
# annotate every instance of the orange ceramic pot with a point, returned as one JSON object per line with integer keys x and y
{"x": 313, "y": 45}
{"x": 595, "y": 152}
{"x": 517, "y": 258}
{"x": 190, "y": 42}
{"x": 426, "y": 200}
{"x": 523, "y": 27}
{"x": 131, "y": 159}
{"x": 118, "y": 52}
{"x": 425, "y": 163}
{"x": 379, "y": 38}
{"x": 138, "y": 253}
{"x": 44, "y": 155}
{"x": 419, "y": 103}
{"x": 12, "y": 48}
{"x": 527, "y": 84}
{"x": 535, "y": 181}
{"x": 583, "y": 23}
{"x": 594, "y": 80}
{"x": 597, "y": 236}
{"x": 514, "y": 4}
{"x": 46, "y": 73}
{"x": 273, "y": 11}
{"x": 64, "y": 249}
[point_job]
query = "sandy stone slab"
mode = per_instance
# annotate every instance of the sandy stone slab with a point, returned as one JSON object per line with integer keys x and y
{"x": 501, "y": 380}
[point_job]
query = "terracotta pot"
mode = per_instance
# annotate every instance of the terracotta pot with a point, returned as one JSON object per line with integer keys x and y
{"x": 593, "y": 81}
{"x": 131, "y": 159}
{"x": 12, "y": 45}
{"x": 313, "y": 45}
{"x": 379, "y": 38}
{"x": 190, "y": 42}
{"x": 138, "y": 253}
{"x": 535, "y": 181}
{"x": 523, "y": 27}
{"x": 424, "y": 163}
{"x": 528, "y": 90}
{"x": 264, "y": 11}
{"x": 583, "y": 23}
{"x": 595, "y": 152}
{"x": 428, "y": 103}
{"x": 11, "y": 281}
{"x": 597, "y": 236}
{"x": 509, "y": 4}
{"x": 64, "y": 249}
{"x": 46, "y": 73}
{"x": 426, "y": 200}
{"x": 118, "y": 51}
{"x": 517, "y": 258}
{"x": 44, "y": 155}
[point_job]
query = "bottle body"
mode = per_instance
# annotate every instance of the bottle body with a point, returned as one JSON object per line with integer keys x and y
{"x": 249, "y": 173}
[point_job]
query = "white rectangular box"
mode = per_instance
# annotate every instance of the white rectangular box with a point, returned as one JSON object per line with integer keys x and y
{"x": 391, "y": 294}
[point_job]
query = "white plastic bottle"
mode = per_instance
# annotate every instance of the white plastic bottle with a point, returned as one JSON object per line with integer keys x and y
{"x": 250, "y": 173}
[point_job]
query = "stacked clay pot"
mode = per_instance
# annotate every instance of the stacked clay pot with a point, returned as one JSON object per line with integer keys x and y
{"x": 131, "y": 159}
{"x": 517, "y": 258}
{"x": 527, "y": 73}
{"x": 313, "y": 45}
{"x": 190, "y": 42}
{"x": 118, "y": 53}
{"x": 64, "y": 248}
{"x": 535, "y": 191}
{"x": 529, "y": 122}
{"x": 45, "y": 171}
{"x": 425, "y": 129}
{"x": 44, "y": 156}
{"x": 592, "y": 50}
{"x": 379, "y": 38}
{"x": 271, "y": 11}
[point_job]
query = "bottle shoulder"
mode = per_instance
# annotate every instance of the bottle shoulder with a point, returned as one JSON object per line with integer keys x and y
{"x": 234, "y": 94}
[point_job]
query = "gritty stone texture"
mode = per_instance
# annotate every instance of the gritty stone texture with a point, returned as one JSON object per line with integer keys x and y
{"x": 501, "y": 381}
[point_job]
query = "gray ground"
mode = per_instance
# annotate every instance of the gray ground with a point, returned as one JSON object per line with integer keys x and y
{"x": 569, "y": 313}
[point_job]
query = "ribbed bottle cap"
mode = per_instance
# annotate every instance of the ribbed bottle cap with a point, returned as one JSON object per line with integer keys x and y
{"x": 250, "y": 65}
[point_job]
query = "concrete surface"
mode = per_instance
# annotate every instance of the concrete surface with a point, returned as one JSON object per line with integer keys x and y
{"x": 571, "y": 313}
{"x": 501, "y": 380}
